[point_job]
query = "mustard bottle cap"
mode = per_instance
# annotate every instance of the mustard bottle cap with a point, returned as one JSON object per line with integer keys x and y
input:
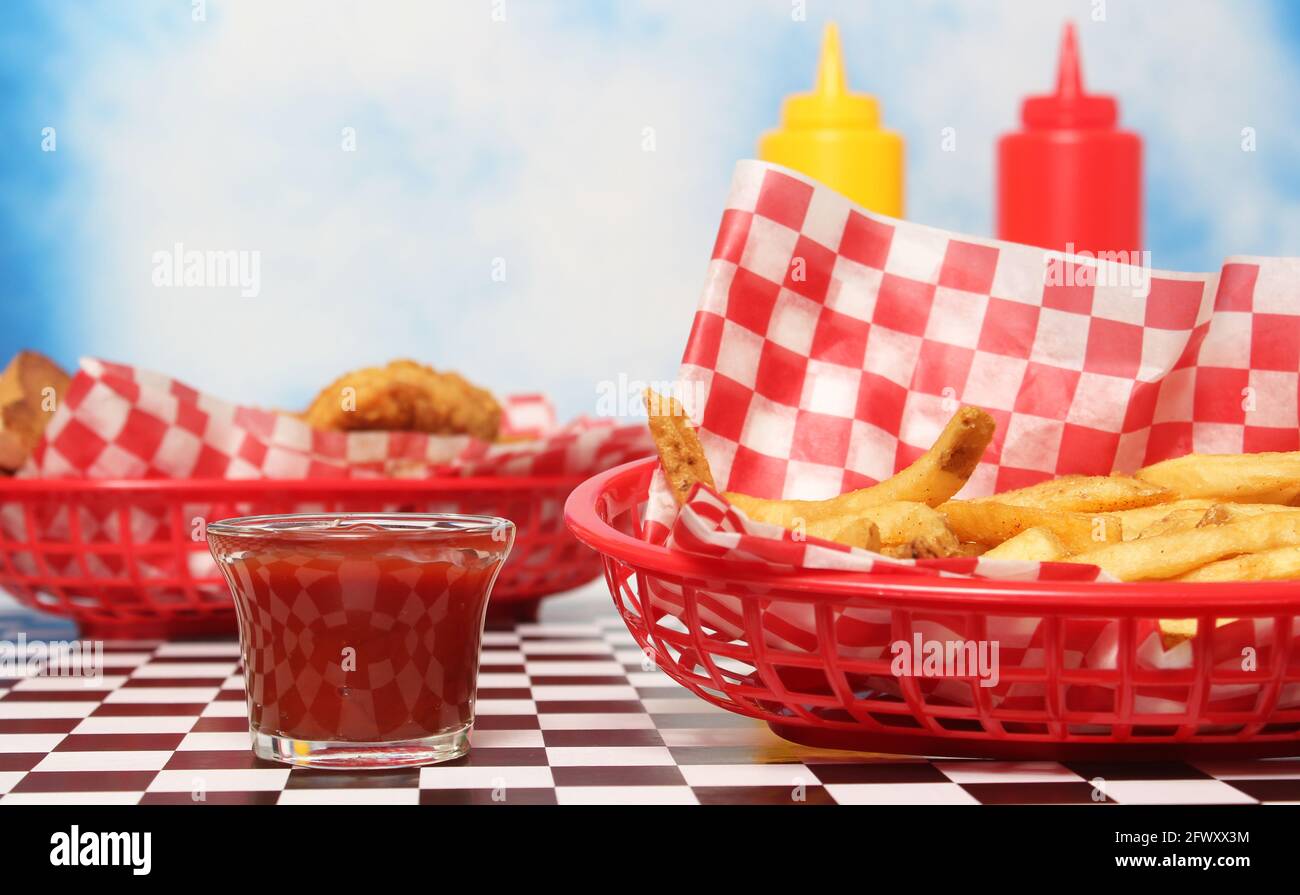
{"x": 831, "y": 104}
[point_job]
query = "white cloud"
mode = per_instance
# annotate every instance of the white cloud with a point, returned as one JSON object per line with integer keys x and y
{"x": 476, "y": 140}
{"x": 522, "y": 140}
{"x": 1189, "y": 74}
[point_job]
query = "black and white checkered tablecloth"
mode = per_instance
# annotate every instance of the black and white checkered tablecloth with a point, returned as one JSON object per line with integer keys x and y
{"x": 567, "y": 714}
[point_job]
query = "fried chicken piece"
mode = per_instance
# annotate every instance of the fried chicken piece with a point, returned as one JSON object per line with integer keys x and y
{"x": 31, "y": 388}
{"x": 12, "y": 453}
{"x": 406, "y": 396}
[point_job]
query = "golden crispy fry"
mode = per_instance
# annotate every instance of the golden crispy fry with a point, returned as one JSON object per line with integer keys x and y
{"x": 935, "y": 476}
{"x": 915, "y": 524}
{"x": 1086, "y": 494}
{"x": 1178, "y": 520}
{"x": 941, "y": 471}
{"x": 1241, "y": 478}
{"x": 680, "y": 450}
{"x": 31, "y": 388}
{"x": 856, "y": 531}
{"x": 923, "y": 548}
{"x": 409, "y": 397}
{"x": 1032, "y": 545}
{"x": 900, "y": 522}
{"x": 1219, "y": 514}
{"x": 1233, "y": 512}
{"x": 1174, "y": 631}
{"x": 1138, "y": 520}
{"x": 1144, "y": 522}
{"x": 853, "y": 532}
{"x": 1198, "y": 518}
{"x": 1189, "y": 517}
{"x": 782, "y": 512}
{"x": 1170, "y": 555}
{"x": 991, "y": 523}
{"x": 1279, "y": 564}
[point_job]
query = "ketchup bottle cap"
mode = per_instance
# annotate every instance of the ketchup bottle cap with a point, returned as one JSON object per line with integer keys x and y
{"x": 1069, "y": 107}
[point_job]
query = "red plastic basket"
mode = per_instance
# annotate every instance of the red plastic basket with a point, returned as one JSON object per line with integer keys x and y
{"x": 128, "y": 558}
{"x": 827, "y": 692}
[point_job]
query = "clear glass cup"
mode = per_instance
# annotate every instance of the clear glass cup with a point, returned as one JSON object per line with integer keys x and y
{"x": 360, "y": 633}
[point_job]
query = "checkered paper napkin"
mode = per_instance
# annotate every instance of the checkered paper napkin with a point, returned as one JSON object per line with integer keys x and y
{"x": 831, "y": 346}
{"x": 121, "y": 422}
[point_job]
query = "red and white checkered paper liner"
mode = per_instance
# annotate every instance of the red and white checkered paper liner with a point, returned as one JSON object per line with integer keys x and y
{"x": 120, "y": 422}
{"x": 831, "y": 346}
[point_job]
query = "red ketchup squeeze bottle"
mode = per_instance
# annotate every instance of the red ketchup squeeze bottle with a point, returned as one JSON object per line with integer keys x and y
{"x": 1071, "y": 180}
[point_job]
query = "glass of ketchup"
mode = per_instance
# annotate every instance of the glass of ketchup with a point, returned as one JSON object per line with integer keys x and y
{"x": 360, "y": 633}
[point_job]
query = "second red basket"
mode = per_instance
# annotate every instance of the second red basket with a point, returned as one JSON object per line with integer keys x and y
{"x": 129, "y": 558}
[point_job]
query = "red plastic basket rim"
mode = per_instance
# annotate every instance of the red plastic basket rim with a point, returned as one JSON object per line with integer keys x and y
{"x": 1164, "y": 598}
{"x": 286, "y": 486}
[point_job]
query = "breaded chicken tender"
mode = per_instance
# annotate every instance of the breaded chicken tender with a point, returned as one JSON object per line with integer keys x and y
{"x": 406, "y": 396}
{"x": 31, "y": 388}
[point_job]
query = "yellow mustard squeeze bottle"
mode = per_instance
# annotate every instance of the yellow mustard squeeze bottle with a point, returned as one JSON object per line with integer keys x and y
{"x": 835, "y": 136}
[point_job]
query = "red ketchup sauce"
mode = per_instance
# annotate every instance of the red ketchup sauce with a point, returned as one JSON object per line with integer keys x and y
{"x": 360, "y": 630}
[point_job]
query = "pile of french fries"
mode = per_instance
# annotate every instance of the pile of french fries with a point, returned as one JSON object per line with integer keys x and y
{"x": 1202, "y": 517}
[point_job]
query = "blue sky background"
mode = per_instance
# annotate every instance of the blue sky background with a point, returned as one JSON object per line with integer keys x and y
{"x": 522, "y": 140}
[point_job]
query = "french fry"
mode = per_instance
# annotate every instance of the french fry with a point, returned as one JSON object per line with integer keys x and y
{"x": 1087, "y": 494}
{"x": 1138, "y": 520}
{"x": 1171, "y": 555}
{"x": 991, "y": 523}
{"x": 853, "y": 532}
{"x": 918, "y": 549}
{"x": 1240, "y": 478}
{"x": 1174, "y": 631}
{"x": 1196, "y": 518}
{"x": 941, "y": 471}
{"x": 1219, "y": 514}
{"x": 1178, "y": 520}
{"x": 1279, "y": 564}
{"x": 680, "y": 451}
{"x": 915, "y": 525}
{"x": 936, "y": 475}
{"x": 782, "y": 512}
{"x": 1186, "y": 518}
{"x": 905, "y": 526}
{"x": 1032, "y": 545}
{"x": 1233, "y": 512}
